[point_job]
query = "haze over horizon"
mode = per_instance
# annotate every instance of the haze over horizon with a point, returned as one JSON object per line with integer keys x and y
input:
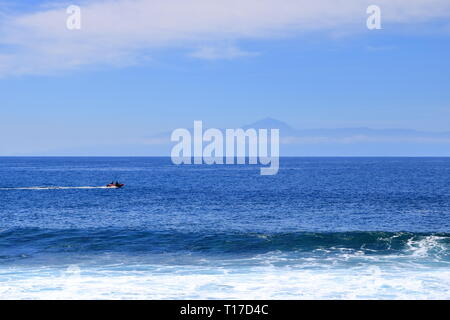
{"x": 295, "y": 142}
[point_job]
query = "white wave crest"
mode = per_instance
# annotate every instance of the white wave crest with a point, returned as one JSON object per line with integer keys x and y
{"x": 426, "y": 246}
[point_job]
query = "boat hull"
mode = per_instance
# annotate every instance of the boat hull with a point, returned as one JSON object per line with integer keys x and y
{"x": 114, "y": 186}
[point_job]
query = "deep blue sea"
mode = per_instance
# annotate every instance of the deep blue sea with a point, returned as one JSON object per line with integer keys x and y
{"x": 323, "y": 228}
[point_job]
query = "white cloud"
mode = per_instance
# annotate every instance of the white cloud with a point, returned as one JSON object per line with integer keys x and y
{"x": 215, "y": 53}
{"x": 122, "y": 32}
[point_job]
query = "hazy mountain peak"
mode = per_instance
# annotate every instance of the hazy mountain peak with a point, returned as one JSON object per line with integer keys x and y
{"x": 270, "y": 123}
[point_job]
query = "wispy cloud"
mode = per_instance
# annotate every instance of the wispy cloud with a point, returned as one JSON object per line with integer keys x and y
{"x": 215, "y": 53}
{"x": 122, "y": 32}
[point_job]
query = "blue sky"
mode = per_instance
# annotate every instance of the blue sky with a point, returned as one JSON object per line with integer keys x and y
{"x": 120, "y": 89}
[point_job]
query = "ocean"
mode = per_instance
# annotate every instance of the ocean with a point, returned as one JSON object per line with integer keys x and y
{"x": 323, "y": 228}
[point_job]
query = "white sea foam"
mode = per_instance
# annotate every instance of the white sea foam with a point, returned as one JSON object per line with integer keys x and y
{"x": 420, "y": 271}
{"x": 426, "y": 246}
{"x": 363, "y": 281}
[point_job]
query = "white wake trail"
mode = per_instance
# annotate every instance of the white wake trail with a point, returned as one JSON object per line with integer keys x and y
{"x": 53, "y": 188}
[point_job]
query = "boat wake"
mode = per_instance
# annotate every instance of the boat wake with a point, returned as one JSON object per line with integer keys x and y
{"x": 53, "y": 188}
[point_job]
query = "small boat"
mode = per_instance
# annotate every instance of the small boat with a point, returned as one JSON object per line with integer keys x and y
{"x": 116, "y": 185}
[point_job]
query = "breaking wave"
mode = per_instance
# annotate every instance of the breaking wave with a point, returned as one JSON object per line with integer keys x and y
{"x": 145, "y": 241}
{"x": 133, "y": 264}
